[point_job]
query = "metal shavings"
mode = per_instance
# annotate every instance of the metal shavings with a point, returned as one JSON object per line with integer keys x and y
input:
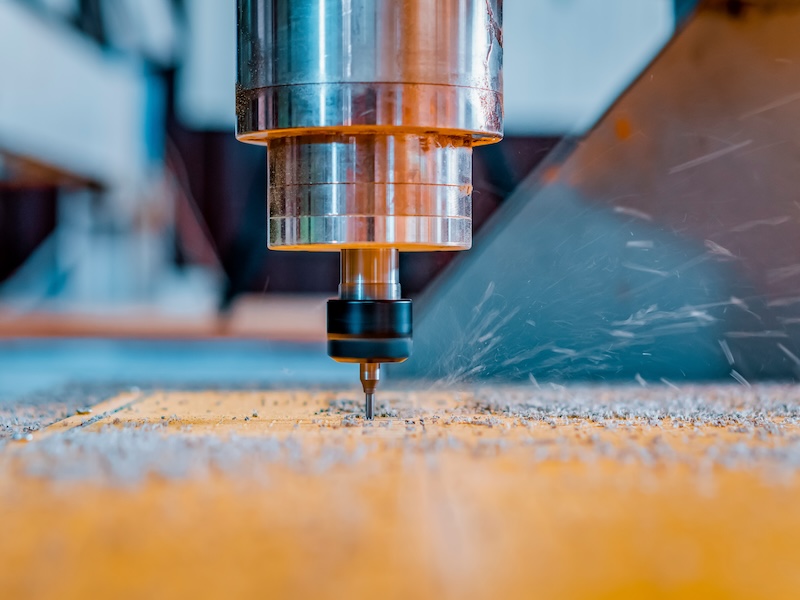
{"x": 739, "y": 377}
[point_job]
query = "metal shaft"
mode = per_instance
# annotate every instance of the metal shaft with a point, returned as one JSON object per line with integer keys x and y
{"x": 370, "y": 375}
{"x": 370, "y": 274}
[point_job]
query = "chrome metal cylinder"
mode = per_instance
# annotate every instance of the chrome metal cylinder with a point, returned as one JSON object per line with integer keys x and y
{"x": 370, "y": 110}
{"x": 349, "y": 191}
{"x": 370, "y": 274}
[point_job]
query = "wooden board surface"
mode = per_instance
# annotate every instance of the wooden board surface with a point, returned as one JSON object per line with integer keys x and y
{"x": 576, "y": 493}
{"x": 296, "y": 318}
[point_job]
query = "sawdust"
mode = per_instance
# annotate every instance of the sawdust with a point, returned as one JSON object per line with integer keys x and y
{"x": 23, "y": 415}
{"x": 572, "y": 491}
{"x": 700, "y": 427}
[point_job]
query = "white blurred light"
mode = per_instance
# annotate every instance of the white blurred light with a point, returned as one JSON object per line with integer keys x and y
{"x": 66, "y": 104}
{"x": 566, "y": 61}
{"x": 206, "y": 81}
{"x": 65, "y": 8}
{"x": 145, "y": 26}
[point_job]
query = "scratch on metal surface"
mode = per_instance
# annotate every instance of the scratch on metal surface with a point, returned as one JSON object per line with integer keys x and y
{"x": 701, "y": 160}
{"x": 781, "y": 273}
{"x": 643, "y": 269}
{"x": 790, "y": 354}
{"x": 716, "y": 249}
{"x": 633, "y": 212}
{"x": 783, "y": 101}
{"x": 750, "y": 224}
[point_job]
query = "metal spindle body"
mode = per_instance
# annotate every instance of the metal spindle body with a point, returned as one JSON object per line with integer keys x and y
{"x": 370, "y": 110}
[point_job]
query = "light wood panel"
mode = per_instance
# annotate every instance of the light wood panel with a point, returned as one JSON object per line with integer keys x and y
{"x": 291, "y": 494}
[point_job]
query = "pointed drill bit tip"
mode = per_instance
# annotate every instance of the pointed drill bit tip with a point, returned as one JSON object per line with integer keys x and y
{"x": 369, "y": 406}
{"x": 370, "y": 376}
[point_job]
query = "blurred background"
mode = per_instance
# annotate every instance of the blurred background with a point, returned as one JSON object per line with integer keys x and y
{"x": 124, "y": 192}
{"x": 129, "y": 210}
